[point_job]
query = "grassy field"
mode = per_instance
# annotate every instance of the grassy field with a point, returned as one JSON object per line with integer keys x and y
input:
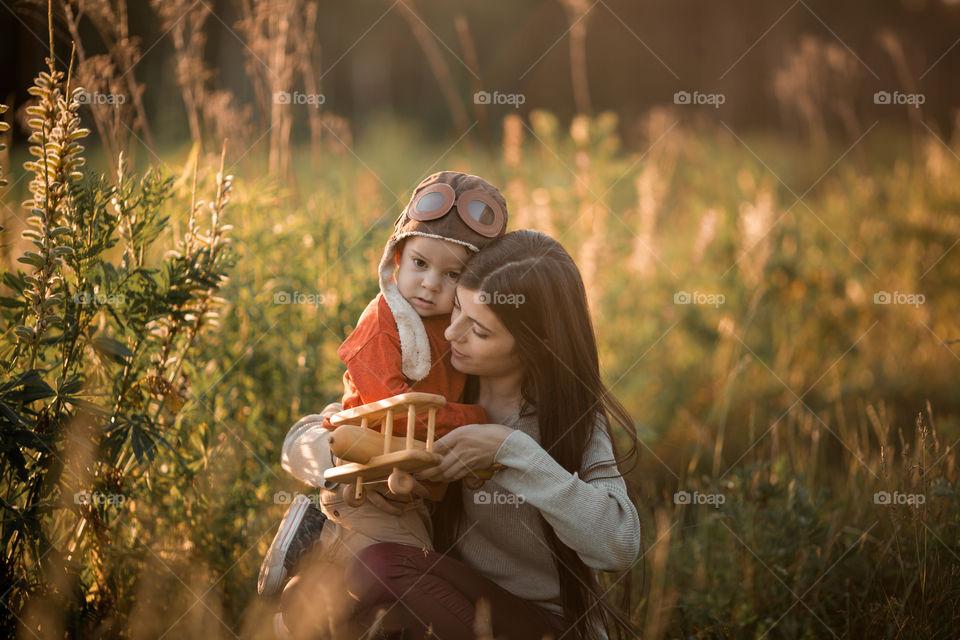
{"x": 777, "y": 317}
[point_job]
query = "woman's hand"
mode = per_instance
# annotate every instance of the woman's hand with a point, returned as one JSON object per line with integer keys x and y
{"x": 465, "y": 451}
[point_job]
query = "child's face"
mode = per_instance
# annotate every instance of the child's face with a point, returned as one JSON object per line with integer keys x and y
{"x": 428, "y": 274}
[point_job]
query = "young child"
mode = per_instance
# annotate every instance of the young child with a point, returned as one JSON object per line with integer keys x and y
{"x": 397, "y": 347}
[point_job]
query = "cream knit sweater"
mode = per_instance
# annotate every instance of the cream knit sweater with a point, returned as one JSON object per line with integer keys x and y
{"x": 502, "y": 537}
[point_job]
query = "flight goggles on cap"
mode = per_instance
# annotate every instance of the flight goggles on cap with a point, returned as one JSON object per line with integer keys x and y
{"x": 476, "y": 208}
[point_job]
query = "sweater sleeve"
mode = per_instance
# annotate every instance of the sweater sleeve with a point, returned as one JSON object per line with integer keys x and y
{"x": 306, "y": 451}
{"x": 590, "y": 513}
{"x": 375, "y": 370}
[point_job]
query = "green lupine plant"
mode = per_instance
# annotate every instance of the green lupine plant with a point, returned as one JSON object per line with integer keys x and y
{"x": 92, "y": 342}
{"x": 56, "y": 130}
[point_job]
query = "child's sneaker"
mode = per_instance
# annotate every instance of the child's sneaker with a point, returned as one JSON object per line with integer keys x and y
{"x": 299, "y": 531}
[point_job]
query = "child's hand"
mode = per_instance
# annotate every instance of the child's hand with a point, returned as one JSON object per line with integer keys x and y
{"x": 331, "y": 409}
{"x": 380, "y": 501}
{"x": 466, "y": 450}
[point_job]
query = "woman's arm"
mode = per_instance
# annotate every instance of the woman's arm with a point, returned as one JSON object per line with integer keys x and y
{"x": 589, "y": 512}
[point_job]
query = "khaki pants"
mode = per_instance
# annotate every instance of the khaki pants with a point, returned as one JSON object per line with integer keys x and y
{"x": 349, "y": 530}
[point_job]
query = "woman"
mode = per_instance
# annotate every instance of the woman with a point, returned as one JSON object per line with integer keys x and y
{"x": 529, "y": 541}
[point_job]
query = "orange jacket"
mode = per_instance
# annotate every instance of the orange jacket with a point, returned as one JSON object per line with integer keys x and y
{"x": 372, "y": 355}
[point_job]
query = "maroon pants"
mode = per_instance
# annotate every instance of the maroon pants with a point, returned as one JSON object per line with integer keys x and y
{"x": 427, "y": 589}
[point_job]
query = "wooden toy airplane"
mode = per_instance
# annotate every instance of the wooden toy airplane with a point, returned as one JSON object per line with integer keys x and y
{"x": 365, "y": 456}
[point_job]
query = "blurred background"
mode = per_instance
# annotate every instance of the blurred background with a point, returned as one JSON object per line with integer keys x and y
{"x": 762, "y": 198}
{"x": 421, "y": 62}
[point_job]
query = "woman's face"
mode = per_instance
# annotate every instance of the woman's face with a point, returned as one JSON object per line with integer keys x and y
{"x": 480, "y": 344}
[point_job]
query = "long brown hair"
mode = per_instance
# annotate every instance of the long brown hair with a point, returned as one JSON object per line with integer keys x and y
{"x": 535, "y": 289}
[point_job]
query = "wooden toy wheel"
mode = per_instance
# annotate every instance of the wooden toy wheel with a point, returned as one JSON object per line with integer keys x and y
{"x": 354, "y": 494}
{"x": 473, "y": 482}
{"x": 400, "y": 482}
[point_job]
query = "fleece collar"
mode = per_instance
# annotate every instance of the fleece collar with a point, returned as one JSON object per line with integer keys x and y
{"x": 414, "y": 345}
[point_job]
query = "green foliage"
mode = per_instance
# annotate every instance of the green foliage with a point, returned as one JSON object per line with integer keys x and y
{"x": 787, "y": 556}
{"x": 92, "y": 350}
